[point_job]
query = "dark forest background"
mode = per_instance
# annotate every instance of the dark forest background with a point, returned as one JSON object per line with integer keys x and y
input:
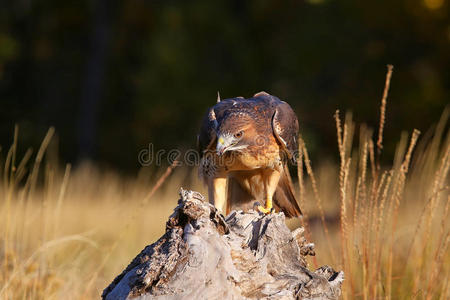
{"x": 113, "y": 76}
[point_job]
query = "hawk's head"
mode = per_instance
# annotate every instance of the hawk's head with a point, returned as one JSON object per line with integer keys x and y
{"x": 235, "y": 132}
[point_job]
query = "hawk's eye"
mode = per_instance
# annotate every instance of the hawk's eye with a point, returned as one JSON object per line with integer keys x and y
{"x": 238, "y": 135}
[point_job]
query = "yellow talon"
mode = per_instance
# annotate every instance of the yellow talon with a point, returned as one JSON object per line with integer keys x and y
{"x": 267, "y": 209}
{"x": 264, "y": 210}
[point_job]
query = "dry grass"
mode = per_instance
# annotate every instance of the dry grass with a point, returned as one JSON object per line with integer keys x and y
{"x": 66, "y": 233}
{"x": 393, "y": 228}
{"x": 60, "y": 236}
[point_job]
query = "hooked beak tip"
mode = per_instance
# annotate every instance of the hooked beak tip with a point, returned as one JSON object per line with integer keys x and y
{"x": 220, "y": 146}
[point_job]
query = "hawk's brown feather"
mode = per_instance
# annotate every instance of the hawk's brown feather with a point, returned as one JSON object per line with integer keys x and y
{"x": 270, "y": 130}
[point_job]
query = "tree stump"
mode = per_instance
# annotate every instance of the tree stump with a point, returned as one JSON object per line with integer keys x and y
{"x": 203, "y": 255}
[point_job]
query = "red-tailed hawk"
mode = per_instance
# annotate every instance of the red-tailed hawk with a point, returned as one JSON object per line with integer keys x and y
{"x": 245, "y": 146}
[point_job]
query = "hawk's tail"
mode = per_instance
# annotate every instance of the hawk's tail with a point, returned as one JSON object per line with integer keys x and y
{"x": 284, "y": 197}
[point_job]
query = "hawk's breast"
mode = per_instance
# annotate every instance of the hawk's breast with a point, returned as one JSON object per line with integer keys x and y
{"x": 255, "y": 157}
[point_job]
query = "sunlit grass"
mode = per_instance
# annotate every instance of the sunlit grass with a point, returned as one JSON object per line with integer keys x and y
{"x": 393, "y": 236}
{"x": 77, "y": 229}
{"x": 393, "y": 232}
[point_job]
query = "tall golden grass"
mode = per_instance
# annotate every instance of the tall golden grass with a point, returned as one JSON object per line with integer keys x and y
{"x": 393, "y": 232}
{"x": 66, "y": 233}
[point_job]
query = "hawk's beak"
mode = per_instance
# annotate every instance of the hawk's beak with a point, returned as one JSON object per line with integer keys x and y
{"x": 221, "y": 147}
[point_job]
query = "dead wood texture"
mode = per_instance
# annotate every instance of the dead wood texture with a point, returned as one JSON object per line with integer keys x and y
{"x": 203, "y": 255}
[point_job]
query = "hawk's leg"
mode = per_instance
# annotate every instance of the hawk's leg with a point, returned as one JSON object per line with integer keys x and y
{"x": 217, "y": 192}
{"x": 270, "y": 178}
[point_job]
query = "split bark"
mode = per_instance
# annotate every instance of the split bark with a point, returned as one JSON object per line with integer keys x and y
{"x": 203, "y": 255}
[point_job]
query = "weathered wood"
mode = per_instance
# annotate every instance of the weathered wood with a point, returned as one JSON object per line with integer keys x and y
{"x": 202, "y": 255}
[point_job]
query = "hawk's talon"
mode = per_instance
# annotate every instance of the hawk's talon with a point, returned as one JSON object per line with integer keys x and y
{"x": 265, "y": 210}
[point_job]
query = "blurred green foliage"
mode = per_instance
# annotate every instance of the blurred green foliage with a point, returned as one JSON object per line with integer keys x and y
{"x": 157, "y": 66}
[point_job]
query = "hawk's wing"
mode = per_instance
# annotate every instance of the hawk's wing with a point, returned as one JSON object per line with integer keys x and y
{"x": 285, "y": 128}
{"x": 284, "y": 197}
